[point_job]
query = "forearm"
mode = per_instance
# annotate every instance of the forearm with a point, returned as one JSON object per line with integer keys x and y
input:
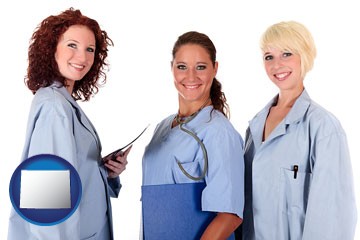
{"x": 222, "y": 226}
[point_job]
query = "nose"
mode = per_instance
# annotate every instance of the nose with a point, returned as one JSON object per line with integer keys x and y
{"x": 277, "y": 63}
{"x": 81, "y": 56}
{"x": 191, "y": 74}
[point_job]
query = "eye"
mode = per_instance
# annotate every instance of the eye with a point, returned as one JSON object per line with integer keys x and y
{"x": 72, "y": 45}
{"x": 89, "y": 49}
{"x": 201, "y": 67}
{"x": 268, "y": 57}
{"x": 181, "y": 67}
{"x": 287, "y": 54}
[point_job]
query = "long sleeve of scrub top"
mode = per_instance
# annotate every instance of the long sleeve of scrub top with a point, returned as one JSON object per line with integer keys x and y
{"x": 51, "y": 133}
{"x": 331, "y": 208}
{"x": 51, "y": 129}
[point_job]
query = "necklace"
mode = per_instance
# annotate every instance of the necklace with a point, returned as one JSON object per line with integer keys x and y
{"x": 183, "y": 120}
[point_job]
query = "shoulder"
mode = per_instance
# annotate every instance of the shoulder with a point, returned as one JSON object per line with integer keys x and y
{"x": 166, "y": 122}
{"x": 163, "y": 127}
{"x": 219, "y": 126}
{"x": 316, "y": 118}
{"x": 218, "y": 119}
{"x": 322, "y": 119}
{"x": 50, "y": 99}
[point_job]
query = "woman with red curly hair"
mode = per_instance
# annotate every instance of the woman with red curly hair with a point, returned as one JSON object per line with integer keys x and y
{"x": 66, "y": 57}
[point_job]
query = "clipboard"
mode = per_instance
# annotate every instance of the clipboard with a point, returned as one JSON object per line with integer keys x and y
{"x": 115, "y": 153}
{"x": 173, "y": 211}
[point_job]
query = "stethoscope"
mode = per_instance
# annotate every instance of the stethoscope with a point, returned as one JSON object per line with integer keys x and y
{"x": 181, "y": 122}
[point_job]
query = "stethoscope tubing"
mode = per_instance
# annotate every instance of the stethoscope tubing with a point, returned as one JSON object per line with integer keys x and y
{"x": 203, "y": 148}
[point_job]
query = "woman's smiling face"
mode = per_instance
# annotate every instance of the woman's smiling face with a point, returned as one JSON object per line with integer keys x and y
{"x": 193, "y": 73}
{"x": 75, "y": 53}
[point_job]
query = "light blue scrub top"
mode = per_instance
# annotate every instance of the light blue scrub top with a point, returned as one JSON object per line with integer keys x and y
{"x": 224, "y": 191}
{"x": 58, "y": 126}
{"x": 319, "y": 203}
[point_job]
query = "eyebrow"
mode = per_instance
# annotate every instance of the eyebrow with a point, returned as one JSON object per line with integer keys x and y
{"x": 73, "y": 40}
{"x": 197, "y": 63}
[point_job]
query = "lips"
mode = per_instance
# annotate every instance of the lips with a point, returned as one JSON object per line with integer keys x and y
{"x": 77, "y": 66}
{"x": 282, "y": 76}
{"x": 192, "y": 86}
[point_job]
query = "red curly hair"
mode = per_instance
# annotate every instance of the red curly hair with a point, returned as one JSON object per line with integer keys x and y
{"x": 43, "y": 69}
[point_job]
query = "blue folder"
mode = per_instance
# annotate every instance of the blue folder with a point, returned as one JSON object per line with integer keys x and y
{"x": 173, "y": 212}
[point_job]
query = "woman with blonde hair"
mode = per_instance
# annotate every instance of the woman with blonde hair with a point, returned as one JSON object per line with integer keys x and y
{"x": 298, "y": 175}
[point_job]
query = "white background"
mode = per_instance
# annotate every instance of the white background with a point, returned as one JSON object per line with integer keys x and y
{"x": 140, "y": 89}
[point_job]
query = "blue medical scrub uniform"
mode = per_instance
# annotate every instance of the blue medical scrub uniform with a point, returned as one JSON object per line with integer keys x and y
{"x": 298, "y": 182}
{"x": 225, "y": 176}
{"x": 58, "y": 126}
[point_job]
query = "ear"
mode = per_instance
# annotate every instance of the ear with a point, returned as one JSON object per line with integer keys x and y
{"x": 216, "y": 65}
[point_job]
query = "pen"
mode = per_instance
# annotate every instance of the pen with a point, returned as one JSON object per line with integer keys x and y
{"x": 295, "y": 169}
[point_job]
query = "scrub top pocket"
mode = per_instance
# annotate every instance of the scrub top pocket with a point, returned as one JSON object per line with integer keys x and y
{"x": 294, "y": 192}
{"x": 193, "y": 168}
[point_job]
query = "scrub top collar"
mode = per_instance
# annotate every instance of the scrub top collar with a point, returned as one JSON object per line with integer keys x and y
{"x": 202, "y": 116}
{"x": 295, "y": 115}
{"x": 299, "y": 109}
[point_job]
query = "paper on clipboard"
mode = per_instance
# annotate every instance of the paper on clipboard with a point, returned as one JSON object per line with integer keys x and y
{"x": 116, "y": 152}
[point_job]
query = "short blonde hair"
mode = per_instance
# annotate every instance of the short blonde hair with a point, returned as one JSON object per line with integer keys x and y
{"x": 294, "y": 37}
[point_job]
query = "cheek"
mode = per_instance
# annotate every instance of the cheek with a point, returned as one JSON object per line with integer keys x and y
{"x": 178, "y": 76}
{"x": 90, "y": 58}
{"x": 177, "y": 80}
{"x": 58, "y": 62}
{"x": 268, "y": 69}
{"x": 59, "y": 54}
{"x": 61, "y": 57}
